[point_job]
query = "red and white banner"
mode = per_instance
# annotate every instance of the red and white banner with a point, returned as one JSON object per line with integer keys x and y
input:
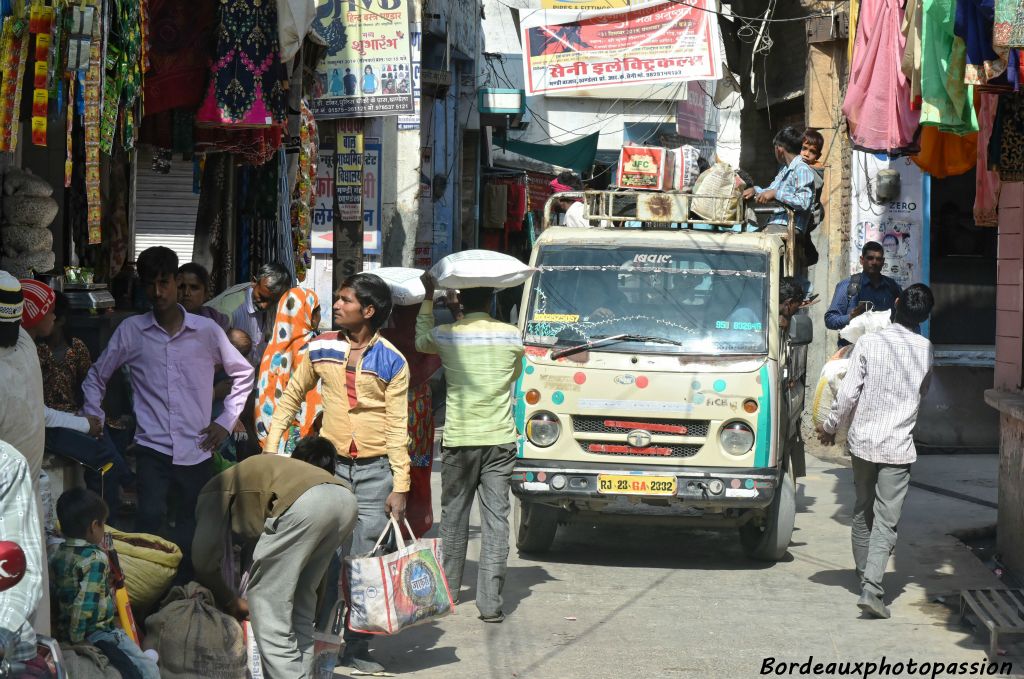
{"x": 658, "y": 42}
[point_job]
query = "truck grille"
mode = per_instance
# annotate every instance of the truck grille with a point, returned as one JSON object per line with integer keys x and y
{"x": 653, "y": 450}
{"x": 589, "y": 424}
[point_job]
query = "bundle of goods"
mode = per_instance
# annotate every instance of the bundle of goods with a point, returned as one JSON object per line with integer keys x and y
{"x": 480, "y": 269}
{"x": 28, "y": 211}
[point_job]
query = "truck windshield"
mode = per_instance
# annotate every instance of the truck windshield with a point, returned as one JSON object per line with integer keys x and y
{"x": 704, "y": 301}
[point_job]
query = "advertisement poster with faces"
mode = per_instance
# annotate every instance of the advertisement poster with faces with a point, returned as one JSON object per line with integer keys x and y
{"x": 898, "y": 224}
{"x": 368, "y": 69}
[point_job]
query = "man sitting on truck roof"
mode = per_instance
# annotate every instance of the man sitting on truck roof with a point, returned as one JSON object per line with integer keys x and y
{"x": 793, "y": 186}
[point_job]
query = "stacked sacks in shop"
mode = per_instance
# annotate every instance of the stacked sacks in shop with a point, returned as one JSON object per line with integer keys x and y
{"x": 25, "y": 237}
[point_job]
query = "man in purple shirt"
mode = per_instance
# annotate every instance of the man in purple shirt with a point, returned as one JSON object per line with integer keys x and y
{"x": 172, "y": 357}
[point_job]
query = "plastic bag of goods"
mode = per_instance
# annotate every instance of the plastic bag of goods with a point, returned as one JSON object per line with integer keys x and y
{"x": 717, "y": 193}
{"x": 867, "y": 322}
{"x": 480, "y": 269}
{"x": 194, "y": 639}
{"x": 149, "y": 563}
{"x": 405, "y": 284}
{"x": 685, "y": 170}
{"x": 832, "y": 374}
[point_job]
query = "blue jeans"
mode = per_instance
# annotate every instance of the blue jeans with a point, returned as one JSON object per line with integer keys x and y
{"x": 93, "y": 454}
{"x": 146, "y": 667}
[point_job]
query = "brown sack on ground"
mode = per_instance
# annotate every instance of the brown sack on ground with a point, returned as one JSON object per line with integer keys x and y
{"x": 194, "y": 639}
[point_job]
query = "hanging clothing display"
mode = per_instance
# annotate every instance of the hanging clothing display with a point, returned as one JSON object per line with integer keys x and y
{"x": 495, "y": 206}
{"x": 877, "y": 104}
{"x": 987, "y": 184}
{"x": 944, "y": 154}
{"x": 946, "y": 101}
{"x": 215, "y": 240}
{"x": 973, "y": 25}
{"x": 1008, "y": 30}
{"x": 248, "y": 82}
{"x": 911, "y": 64}
{"x": 1006, "y": 146}
{"x": 180, "y": 51}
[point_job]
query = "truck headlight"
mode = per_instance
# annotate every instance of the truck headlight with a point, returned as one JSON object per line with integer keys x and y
{"x": 543, "y": 429}
{"x": 736, "y": 438}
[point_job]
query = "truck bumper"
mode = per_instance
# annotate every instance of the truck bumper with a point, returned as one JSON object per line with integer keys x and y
{"x": 579, "y": 483}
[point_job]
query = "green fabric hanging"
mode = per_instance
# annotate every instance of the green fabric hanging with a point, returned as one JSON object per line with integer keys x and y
{"x": 946, "y": 102}
{"x": 576, "y": 155}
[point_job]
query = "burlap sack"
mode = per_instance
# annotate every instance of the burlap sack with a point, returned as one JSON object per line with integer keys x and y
{"x": 37, "y": 211}
{"x": 194, "y": 639}
{"x": 21, "y": 240}
{"x": 18, "y": 182}
{"x": 716, "y": 195}
{"x": 23, "y": 266}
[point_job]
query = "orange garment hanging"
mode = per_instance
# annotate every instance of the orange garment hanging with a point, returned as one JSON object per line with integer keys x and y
{"x": 944, "y": 154}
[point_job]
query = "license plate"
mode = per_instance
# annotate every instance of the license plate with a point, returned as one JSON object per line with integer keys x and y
{"x": 636, "y": 485}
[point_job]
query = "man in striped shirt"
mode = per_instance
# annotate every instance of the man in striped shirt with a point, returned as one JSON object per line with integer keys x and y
{"x": 879, "y": 399}
{"x": 482, "y": 357}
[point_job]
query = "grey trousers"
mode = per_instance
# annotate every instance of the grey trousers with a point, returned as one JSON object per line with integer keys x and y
{"x": 289, "y": 562}
{"x": 372, "y": 482}
{"x": 464, "y": 471}
{"x": 881, "y": 490}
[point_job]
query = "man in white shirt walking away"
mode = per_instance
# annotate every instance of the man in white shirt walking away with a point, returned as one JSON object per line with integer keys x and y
{"x": 879, "y": 399}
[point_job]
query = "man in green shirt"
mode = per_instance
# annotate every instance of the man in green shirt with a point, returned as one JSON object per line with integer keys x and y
{"x": 482, "y": 357}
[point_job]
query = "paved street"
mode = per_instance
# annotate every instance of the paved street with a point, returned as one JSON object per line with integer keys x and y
{"x": 653, "y": 602}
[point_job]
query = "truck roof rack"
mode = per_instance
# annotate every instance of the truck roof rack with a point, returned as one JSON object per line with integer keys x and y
{"x": 670, "y": 210}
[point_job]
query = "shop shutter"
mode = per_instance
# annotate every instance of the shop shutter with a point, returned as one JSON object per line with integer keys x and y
{"x": 165, "y": 207}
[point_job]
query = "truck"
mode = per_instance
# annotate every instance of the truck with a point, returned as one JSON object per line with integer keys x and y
{"x": 657, "y": 385}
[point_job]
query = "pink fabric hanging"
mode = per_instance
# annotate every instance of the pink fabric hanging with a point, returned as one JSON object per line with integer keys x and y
{"x": 878, "y": 98}
{"x": 987, "y": 184}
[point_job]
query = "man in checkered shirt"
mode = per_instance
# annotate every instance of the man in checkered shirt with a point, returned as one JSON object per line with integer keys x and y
{"x": 879, "y": 399}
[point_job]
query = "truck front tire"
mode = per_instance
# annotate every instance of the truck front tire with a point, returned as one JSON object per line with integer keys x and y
{"x": 535, "y": 526}
{"x": 768, "y": 540}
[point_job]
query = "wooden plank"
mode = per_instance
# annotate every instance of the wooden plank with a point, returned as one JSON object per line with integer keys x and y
{"x": 1012, "y": 616}
{"x": 981, "y": 608}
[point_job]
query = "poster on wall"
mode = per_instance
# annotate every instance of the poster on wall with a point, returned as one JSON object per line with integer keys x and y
{"x": 899, "y": 225}
{"x": 371, "y": 199}
{"x": 322, "y": 282}
{"x": 349, "y": 167}
{"x": 412, "y": 122}
{"x": 658, "y": 42}
{"x": 322, "y": 239}
{"x": 368, "y": 67}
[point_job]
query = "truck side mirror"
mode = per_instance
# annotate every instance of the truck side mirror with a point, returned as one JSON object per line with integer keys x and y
{"x": 801, "y": 330}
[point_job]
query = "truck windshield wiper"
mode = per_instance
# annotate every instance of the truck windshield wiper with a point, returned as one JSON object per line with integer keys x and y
{"x": 612, "y": 339}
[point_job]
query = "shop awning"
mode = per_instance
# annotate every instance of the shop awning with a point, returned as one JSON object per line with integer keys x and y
{"x": 576, "y": 155}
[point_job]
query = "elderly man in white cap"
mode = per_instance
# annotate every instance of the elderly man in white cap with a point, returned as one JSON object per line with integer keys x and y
{"x": 22, "y": 419}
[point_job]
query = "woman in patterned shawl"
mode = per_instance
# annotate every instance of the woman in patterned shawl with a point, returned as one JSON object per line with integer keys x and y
{"x": 298, "y": 315}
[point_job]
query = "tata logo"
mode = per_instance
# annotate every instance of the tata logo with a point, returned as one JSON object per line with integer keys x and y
{"x": 624, "y": 379}
{"x": 639, "y": 438}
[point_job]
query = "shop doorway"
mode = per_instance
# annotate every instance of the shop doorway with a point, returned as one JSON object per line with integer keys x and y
{"x": 165, "y": 206}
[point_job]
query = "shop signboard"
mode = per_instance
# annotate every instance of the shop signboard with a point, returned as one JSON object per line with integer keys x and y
{"x": 371, "y": 199}
{"x": 649, "y": 44}
{"x": 368, "y": 69}
{"x": 322, "y": 240}
{"x": 579, "y": 5}
{"x": 900, "y": 225}
{"x": 349, "y": 183}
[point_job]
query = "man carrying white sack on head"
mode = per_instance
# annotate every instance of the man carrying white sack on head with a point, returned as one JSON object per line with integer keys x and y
{"x": 482, "y": 357}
